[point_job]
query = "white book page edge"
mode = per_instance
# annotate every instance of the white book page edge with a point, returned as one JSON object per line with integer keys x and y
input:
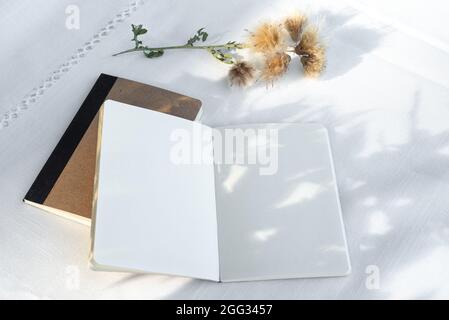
{"x": 152, "y": 215}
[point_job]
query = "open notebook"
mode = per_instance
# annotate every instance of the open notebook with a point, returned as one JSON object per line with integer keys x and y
{"x": 222, "y": 220}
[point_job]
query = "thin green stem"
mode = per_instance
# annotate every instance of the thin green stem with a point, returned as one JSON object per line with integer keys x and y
{"x": 127, "y": 51}
{"x": 185, "y": 46}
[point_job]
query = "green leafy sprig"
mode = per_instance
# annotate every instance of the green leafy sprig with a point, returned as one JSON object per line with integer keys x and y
{"x": 221, "y": 52}
{"x": 137, "y": 31}
{"x": 200, "y": 35}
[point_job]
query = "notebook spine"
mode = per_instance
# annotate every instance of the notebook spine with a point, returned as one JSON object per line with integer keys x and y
{"x": 60, "y": 156}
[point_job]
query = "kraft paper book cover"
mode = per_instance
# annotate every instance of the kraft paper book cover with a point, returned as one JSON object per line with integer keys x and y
{"x": 65, "y": 184}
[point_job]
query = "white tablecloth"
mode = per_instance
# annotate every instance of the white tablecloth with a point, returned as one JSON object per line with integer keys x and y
{"x": 384, "y": 99}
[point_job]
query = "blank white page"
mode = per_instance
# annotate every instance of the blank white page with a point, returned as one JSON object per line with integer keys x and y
{"x": 284, "y": 225}
{"x": 152, "y": 214}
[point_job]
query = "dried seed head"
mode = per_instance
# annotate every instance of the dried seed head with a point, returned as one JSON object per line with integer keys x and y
{"x": 309, "y": 41}
{"x": 295, "y": 25}
{"x": 276, "y": 65}
{"x": 312, "y": 52}
{"x": 267, "y": 38}
{"x": 314, "y": 63}
{"x": 241, "y": 74}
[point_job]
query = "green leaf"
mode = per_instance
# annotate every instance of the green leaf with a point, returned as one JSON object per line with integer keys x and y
{"x": 200, "y": 35}
{"x": 234, "y": 45}
{"x": 221, "y": 56}
{"x": 142, "y": 31}
{"x": 137, "y": 31}
{"x": 153, "y": 53}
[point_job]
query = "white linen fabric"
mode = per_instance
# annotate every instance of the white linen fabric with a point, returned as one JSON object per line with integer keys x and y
{"x": 384, "y": 99}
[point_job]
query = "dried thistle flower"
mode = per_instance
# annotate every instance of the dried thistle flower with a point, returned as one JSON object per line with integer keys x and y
{"x": 276, "y": 65}
{"x": 241, "y": 74}
{"x": 269, "y": 41}
{"x": 312, "y": 53}
{"x": 267, "y": 38}
{"x": 309, "y": 41}
{"x": 314, "y": 64}
{"x": 295, "y": 25}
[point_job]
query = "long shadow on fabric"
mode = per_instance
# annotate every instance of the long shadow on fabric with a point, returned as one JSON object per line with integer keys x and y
{"x": 374, "y": 195}
{"x": 347, "y": 42}
{"x": 375, "y": 187}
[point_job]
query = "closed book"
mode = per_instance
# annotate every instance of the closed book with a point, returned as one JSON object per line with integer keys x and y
{"x": 65, "y": 185}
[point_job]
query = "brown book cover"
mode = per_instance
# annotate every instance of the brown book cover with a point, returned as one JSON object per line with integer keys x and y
{"x": 65, "y": 185}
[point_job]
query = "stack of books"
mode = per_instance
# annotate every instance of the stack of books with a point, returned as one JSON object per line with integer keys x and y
{"x": 164, "y": 193}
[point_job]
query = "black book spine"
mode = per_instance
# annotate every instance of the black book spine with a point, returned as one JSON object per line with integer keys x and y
{"x": 60, "y": 156}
